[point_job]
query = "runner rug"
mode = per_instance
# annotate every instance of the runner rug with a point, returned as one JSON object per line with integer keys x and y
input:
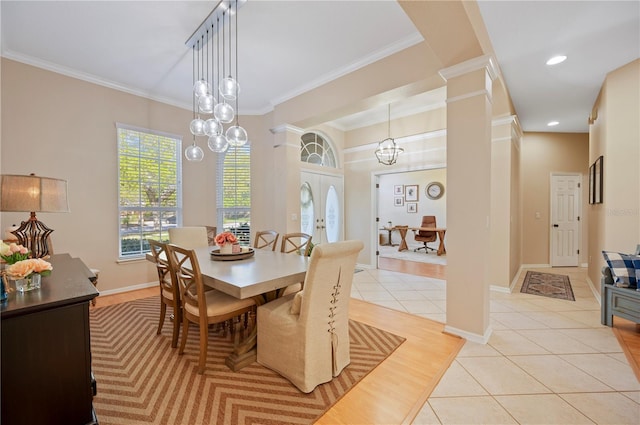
{"x": 142, "y": 380}
{"x": 548, "y": 285}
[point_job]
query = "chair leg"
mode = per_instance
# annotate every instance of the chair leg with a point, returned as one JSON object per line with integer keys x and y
{"x": 163, "y": 312}
{"x": 204, "y": 330}
{"x": 185, "y": 332}
{"x": 176, "y": 327}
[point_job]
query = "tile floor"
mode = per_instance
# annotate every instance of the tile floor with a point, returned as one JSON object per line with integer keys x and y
{"x": 548, "y": 361}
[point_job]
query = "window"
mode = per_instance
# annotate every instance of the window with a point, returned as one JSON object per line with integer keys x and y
{"x": 315, "y": 149}
{"x": 234, "y": 192}
{"x": 149, "y": 188}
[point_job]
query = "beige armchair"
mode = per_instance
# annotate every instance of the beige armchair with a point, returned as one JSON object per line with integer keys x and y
{"x": 305, "y": 336}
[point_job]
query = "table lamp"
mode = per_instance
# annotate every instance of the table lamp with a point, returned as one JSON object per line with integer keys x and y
{"x": 33, "y": 194}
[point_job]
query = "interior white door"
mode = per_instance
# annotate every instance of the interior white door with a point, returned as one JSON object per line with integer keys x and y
{"x": 565, "y": 220}
{"x": 321, "y": 207}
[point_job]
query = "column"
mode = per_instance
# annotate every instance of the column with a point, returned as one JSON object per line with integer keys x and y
{"x": 469, "y": 196}
{"x": 286, "y": 169}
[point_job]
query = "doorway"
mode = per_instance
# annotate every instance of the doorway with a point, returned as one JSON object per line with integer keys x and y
{"x": 565, "y": 233}
{"x": 322, "y": 207}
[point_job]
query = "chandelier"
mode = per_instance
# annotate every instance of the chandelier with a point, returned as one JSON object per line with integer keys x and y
{"x": 214, "y": 47}
{"x": 388, "y": 150}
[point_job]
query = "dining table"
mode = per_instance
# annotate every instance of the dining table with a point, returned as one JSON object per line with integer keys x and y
{"x": 264, "y": 276}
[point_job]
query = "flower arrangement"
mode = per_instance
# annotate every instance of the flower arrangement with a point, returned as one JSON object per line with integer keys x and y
{"x": 25, "y": 268}
{"x": 225, "y": 238}
{"x": 12, "y": 253}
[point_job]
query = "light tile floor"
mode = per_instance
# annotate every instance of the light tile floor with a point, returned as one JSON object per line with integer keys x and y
{"x": 548, "y": 361}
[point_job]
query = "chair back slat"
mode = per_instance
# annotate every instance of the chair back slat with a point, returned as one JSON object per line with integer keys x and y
{"x": 188, "y": 275}
{"x": 189, "y": 237}
{"x": 266, "y": 239}
{"x": 295, "y": 242}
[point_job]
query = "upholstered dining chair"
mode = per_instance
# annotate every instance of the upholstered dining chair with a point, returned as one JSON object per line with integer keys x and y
{"x": 305, "y": 336}
{"x": 190, "y": 237}
{"x": 423, "y": 236}
{"x": 169, "y": 292}
{"x": 199, "y": 306}
{"x": 266, "y": 239}
{"x": 295, "y": 242}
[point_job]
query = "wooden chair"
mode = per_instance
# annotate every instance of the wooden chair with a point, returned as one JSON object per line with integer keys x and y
{"x": 211, "y": 235}
{"x": 305, "y": 336}
{"x": 199, "y": 306}
{"x": 266, "y": 239}
{"x": 190, "y": 237}
{"x": 295, "y": 242}
{"x": 424, "y": 237}
{"x": 169, "y": 292}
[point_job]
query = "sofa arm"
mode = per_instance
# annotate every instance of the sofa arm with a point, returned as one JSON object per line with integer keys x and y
{"x": 607, "y": 277}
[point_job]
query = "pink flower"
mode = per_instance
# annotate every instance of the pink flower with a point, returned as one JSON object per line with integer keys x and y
{"x": 24, "y": 268}
{"x": 225, "y": 237}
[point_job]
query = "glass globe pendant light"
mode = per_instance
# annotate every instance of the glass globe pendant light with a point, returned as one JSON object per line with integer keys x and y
{"x": 205, "y": 103}
{"x": 194, "y": 152}
{"x": 229, "y": 88}
{"x": 197, "y": 127}
{"x": 224, "y": 112}
{"x": 201, "y": 88}
{"x": 218, "y": 143}
{"x": 212, "y": 127}
{"x": 237, "y": 136}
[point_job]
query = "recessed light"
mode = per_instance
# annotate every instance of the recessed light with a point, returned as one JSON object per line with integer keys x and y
{"x": 556, "y": 60}
{"x": 552, "y": 123}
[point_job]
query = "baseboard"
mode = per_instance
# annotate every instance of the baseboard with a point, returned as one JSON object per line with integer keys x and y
{"x": 514, "y": 282}
{"x": 480, "y": 339}
{"x": 595, "y": 291}
{"x": 501, "y": 289}
{"x": 128, "y": 288}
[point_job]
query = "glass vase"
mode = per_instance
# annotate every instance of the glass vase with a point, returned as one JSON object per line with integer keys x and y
{"x": 29, "y": 283}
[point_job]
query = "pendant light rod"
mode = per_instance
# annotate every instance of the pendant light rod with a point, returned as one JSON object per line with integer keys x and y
{"x": 220, "y": 8}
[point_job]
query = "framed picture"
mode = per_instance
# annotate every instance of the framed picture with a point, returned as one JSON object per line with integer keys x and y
{"x": 411, "y": 192}
{"x": 412, "y": 207}
{"x": 398, "y": 190}
{"x": 592, "y": 186}
{"x": 398, "y": 201}
{"x": 597, "y": 181}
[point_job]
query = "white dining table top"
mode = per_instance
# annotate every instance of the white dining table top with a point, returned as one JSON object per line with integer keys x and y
{"x": 264, "y": 272}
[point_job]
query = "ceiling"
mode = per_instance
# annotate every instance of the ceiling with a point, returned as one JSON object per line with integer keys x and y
{"x": 289, "y": 47}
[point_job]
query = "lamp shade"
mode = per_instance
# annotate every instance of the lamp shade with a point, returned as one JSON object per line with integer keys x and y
{"x": 33, "y": 194}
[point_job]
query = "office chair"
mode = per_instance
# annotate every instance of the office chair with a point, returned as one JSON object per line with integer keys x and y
{"x": 424, "y": 237}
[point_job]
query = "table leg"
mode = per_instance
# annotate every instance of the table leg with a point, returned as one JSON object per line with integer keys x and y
{"x": 403, "y": 242}
{"x": 441, "y": 248}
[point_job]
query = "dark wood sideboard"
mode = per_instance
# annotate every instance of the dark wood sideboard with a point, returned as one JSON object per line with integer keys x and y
{"x": 46, "y": 357}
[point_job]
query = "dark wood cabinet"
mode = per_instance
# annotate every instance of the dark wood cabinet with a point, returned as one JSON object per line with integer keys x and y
{"x": 46, "y": 353}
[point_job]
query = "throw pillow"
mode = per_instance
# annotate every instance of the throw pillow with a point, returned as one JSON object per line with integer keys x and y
{"x": 621, "y": 266}
{"x": 636, "y": 265}
{"x": 296, "y": 305}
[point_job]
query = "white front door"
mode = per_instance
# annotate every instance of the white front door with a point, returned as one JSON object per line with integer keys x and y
{"x": 565, "y": 219}
{"x": 321, "y": 207}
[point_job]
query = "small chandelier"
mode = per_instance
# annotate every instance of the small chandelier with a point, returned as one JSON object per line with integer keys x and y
{"x": 388, "y": 150}
{"x": 215, "y": 96}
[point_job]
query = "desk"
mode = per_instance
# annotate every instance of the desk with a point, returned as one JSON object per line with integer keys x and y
{"x": 389, "y": 229}
{"x": 262, "y": 277}
{"x": 440, "y": 231}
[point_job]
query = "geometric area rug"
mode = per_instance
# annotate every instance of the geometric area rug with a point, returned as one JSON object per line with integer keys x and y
{"x": 548, "y": 285}
{"x": 142, "y": 380}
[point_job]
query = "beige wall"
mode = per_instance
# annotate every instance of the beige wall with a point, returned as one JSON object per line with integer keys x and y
{"x": 61, "y": 127}
{"x": 543, "y": 154}
{"x": 614, "y": 225}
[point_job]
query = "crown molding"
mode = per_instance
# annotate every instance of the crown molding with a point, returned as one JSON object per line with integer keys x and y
{"x": 283, "y": 128}
{"x": 481, "y": 62}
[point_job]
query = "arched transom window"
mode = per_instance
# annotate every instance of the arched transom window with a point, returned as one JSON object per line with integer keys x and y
{"x": 314, "y": 149}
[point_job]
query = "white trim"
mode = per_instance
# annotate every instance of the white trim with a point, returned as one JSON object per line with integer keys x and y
{"x": 483, "y": 92}
{"x": 331, "y": 76}
{"x": 594, "y": 290}
{"x": 283, "y": 128}
{"x": 129, "y": 288}
{"x": 487, "y": 62}
{"x": 480, "y": 339}
{"x": 405, "y": 140}
{"x": 501, "y": 289}
{"x": 514, "y": 282}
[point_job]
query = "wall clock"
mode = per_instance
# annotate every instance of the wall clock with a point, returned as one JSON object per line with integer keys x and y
{"x": 434, "y": 190}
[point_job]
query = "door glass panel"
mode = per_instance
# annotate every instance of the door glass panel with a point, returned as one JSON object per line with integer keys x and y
{"x": 306, "y": 209}
{"x": 332, "y": 215}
